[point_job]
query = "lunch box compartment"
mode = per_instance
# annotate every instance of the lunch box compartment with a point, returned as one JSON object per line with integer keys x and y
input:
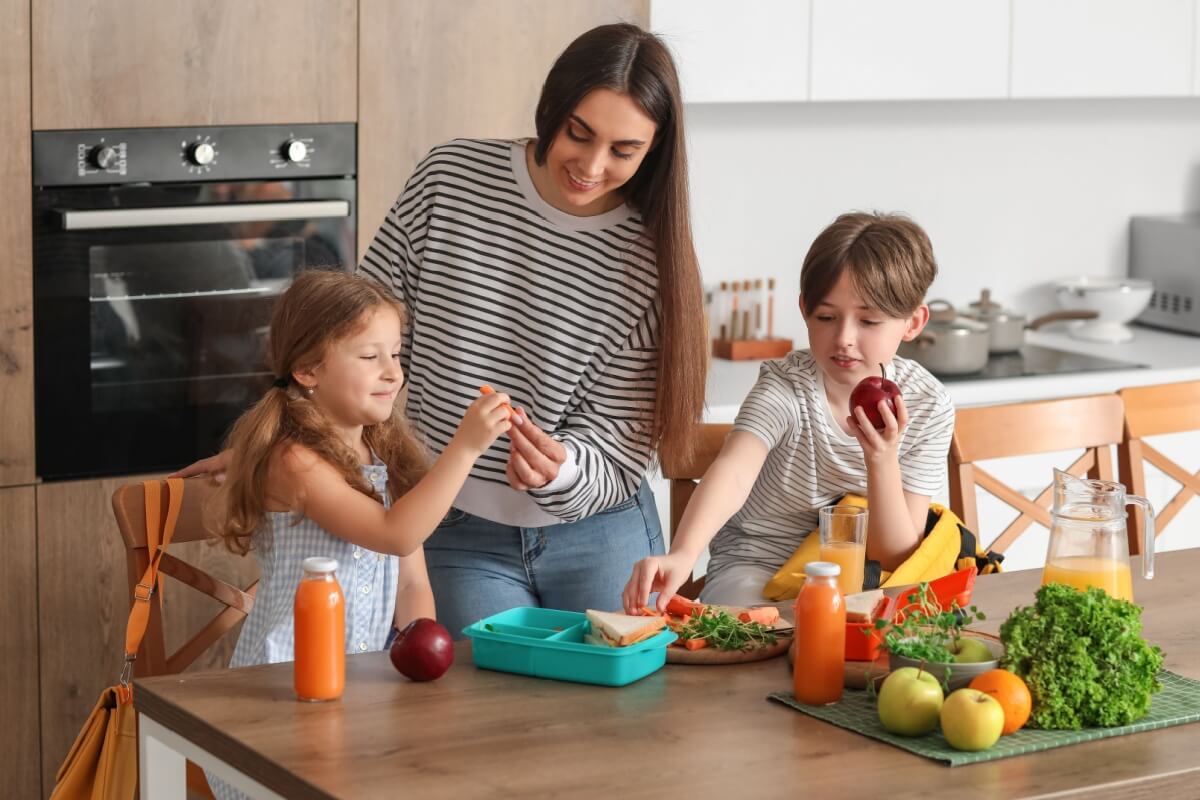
{"x": 521, "y": 630}
{"x": 546, "y": 643}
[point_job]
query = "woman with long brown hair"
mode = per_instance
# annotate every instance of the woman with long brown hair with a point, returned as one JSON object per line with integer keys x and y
{"x": 561, "y": 270}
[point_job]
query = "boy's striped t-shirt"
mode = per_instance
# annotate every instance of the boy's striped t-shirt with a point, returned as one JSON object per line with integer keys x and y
{"x": 556, "y": 310}
{"x": 813, "y": 462}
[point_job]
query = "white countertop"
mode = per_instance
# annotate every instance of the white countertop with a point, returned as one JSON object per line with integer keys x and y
{"x": 1169, "y": 357}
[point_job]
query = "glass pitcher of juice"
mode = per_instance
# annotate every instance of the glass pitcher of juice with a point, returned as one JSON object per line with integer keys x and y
{"x": 1089, "y": 541}
{"x": 819, "y": 671}
{"x": 320, "y": 633}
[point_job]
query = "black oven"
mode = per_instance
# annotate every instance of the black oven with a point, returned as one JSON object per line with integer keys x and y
{"x": 158, "y": 254}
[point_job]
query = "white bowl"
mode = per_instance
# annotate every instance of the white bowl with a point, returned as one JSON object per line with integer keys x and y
{"x": 1116, "y": 300}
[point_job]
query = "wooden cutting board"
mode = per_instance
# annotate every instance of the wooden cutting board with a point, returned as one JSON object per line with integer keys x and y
{"x": 711, "y": 655}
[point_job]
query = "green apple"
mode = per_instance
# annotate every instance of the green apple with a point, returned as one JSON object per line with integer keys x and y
{"x": 971, "y": 720}
{"x": 970, "y": 651}
{"x": 909, "y": 702}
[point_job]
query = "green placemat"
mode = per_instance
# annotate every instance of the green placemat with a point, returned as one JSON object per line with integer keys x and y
{"x": 1178, "y": 702}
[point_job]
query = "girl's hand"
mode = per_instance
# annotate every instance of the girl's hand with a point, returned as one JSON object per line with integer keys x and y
{"x": 662, "y": 574}
{"x": 880, "y": 445}
{"x": 534, "y": 458}
{"x": 484, "y": 421}
{"x": 213, "y": 465}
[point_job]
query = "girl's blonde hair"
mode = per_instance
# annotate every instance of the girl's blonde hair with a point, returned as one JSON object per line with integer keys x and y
{"x": 319, "y": 309}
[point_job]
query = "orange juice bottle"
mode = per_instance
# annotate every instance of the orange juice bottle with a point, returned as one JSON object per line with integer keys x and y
{"x": 820, "y": 636}
{"x": 320, "y": 625}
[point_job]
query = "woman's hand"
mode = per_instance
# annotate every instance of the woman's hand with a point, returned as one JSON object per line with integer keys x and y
{"x": 485, "y": 420}
{"x": 662, "y": 574}
{"x": 880, "y": 445}
{"x": 534, "y": 458}
{"x": 213, "y": 465}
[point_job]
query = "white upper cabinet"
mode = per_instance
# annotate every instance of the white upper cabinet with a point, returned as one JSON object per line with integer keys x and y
{"x": 737, "y": 52}
{"x": 1102, "y": 48}
{"x": 909, "y": 49}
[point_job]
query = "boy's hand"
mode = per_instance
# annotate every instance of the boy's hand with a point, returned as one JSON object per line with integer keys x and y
{"x": 662, "y": 574}
{"x": 485, "y": 420}
{"x": 534, "y": 457}
{"x": 880, "y": 445}
{"x": 213, "y": 465}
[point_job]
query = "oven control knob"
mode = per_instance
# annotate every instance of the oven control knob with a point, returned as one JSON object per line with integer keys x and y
{"x": 294, "y": 151}
{"x": 201, "y": 154}
{"x": 103, "y": 156}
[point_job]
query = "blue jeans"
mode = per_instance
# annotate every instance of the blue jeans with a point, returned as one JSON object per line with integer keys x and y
{"x": 479, "y": 568}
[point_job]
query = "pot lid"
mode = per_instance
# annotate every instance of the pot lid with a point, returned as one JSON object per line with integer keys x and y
{"x": 985, "y": 308}
{"x": 944, "y": 319}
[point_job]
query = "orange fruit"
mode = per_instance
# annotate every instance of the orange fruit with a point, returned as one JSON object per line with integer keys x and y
{"x": 1012, "y": 694}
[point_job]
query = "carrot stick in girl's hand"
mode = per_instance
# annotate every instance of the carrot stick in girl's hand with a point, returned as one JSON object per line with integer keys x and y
{"x": 485, "y": 389}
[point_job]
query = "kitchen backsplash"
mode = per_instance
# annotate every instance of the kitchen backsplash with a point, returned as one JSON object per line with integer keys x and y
{"x": 1012, "y": 193}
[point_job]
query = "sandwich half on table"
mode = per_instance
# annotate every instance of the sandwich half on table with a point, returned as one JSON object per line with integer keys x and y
{"x": 613, "y": 629}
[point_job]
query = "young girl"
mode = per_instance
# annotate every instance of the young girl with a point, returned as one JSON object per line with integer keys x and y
{"x": 797, "y": 443}
{"x": 326, "y": 465}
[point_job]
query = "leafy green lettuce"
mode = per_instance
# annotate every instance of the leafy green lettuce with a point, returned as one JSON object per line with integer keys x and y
{"x": 1083, "y": 657}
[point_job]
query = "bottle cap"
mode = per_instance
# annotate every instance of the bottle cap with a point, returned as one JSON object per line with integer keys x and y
{"x": 320, "y": 564}
{"x": 822, "y": 569}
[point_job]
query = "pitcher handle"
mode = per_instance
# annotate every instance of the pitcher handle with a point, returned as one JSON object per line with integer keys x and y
{"x": 1148, "y": 540}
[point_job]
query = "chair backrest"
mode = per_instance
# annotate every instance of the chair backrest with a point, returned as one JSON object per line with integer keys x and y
{"x": 684, "y": 475}
{"x": 129, "y": 508}
{"x": 1093, "y": 424}
{"x": 1155, "y": 411}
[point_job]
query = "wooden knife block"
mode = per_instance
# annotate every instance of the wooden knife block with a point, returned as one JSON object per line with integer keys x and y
{"x": 746, "y": 349}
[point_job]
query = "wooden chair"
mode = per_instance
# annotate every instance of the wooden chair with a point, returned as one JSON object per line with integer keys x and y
{"x": 129, "y": 508}
{"x": 1093, "y": 424}
{"x": 684, "y": 474}
{"x": 1154, "y": 411}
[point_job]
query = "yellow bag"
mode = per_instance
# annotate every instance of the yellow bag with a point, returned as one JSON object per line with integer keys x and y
{"x": 946, "y": 546}
{"x": 102, "y": 764}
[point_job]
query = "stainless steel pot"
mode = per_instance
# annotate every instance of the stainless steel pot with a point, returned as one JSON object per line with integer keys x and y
{"x": 1006, "y": 328}
{"x": 950, "y": 344}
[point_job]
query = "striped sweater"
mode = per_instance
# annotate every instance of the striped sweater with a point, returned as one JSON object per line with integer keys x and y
{"x": 557, "y": 310}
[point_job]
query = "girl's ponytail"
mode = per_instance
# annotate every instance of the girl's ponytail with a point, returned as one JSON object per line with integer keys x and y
{"x": 252, "y": 440}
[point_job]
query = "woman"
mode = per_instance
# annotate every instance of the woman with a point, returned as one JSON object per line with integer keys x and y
{"x": 560, "y": 270}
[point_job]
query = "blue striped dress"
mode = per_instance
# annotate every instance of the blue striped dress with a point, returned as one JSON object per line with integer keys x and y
{"x": 368, "y": 580}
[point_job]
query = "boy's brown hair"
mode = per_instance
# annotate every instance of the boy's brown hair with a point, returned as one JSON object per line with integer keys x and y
{"x": 889, "y": 258}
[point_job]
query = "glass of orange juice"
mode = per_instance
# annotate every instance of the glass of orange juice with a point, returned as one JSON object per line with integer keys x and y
{"x": 843, "y": 531}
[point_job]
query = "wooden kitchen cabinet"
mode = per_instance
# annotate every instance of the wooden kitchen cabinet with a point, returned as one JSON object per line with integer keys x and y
{"x": 136, "y": 63}
{"x": 83, "y": 602}
{"x": 1102, "y": 48}
{"x": 16, "y": 268}
{"x": 754, "y": 52}
{"x": 19, "y": 656}
{"x": 911, "y": 50}
{"x": 430, "y": 71}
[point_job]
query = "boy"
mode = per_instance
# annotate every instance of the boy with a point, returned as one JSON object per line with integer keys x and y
{"x": 797, "y": 445}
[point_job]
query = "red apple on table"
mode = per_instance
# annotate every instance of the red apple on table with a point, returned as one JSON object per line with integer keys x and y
{"x": 868, "y": 394}
{"x": 423, "y": 651}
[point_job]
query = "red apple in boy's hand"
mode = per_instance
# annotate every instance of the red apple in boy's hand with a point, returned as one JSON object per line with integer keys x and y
{"x": 423, "y": 651}
{"x": 869, "y": 392}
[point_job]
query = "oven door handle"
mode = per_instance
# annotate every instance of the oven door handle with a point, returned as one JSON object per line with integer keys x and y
{"x": 162, "y": 216}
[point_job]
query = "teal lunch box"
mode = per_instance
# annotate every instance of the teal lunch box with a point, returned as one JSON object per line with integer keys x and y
{"x": 546, "y": 643}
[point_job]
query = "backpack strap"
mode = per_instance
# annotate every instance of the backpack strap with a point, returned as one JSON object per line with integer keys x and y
{"x": 158, "y": 535}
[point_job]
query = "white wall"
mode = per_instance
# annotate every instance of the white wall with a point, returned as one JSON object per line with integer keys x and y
{"x": 1012, "y": 193}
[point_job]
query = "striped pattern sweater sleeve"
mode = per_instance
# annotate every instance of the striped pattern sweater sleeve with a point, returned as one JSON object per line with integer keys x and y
{"x": 558, "y": 311}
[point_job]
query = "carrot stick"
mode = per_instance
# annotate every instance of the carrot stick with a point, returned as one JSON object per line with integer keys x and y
{"x": 695, "y": 644}
{"x": 485, "y": 389}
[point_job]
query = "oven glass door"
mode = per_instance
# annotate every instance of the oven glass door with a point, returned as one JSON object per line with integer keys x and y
{"x": 152, "y": 306}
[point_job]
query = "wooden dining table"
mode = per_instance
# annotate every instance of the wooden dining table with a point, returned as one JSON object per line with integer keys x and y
{"x": 683, "y": 732}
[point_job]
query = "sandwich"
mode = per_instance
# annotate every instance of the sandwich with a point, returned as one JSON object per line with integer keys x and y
{"x": 860, "y": 607}
{"x": 612, "y": 629}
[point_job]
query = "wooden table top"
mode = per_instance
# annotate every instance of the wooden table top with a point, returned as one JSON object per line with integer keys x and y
{"x": 685, "y": 731}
